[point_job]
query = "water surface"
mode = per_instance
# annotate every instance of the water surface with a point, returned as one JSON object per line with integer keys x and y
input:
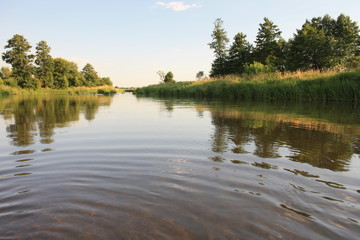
{"x": 96, "y": 167}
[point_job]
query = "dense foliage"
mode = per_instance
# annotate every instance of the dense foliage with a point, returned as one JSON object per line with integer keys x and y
{"x": 42, "y": 70}
{"x": 322, "y": 43}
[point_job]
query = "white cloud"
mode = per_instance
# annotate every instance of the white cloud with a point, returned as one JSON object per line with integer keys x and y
{"x": 177, "y": 6}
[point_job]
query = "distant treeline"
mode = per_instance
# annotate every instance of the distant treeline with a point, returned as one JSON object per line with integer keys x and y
{"x": 41, "y": 70}
{"x": 322, "y": 43}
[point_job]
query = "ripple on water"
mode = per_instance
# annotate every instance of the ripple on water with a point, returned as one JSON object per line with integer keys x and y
{"x": 23, "y": 152}
{"x": 137, "y": 176}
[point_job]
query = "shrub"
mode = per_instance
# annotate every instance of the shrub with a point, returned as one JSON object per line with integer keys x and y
{"x": 256, "y": 68}
{"x": 11, "y": 82}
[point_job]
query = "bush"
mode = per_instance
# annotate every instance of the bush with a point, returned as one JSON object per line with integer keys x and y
{"x": 256, "y": 68}
{"x": 354, "y": 63}
{"x": 106, "y": 91}
{"x": 169, "y": 78}
{"x": 11, "y": 82}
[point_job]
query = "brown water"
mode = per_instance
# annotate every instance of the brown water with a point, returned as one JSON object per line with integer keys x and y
{"x": 96, "y": 167}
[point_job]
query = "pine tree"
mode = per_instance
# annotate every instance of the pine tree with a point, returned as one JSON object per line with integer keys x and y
{"x": 45, "y": 64}
{"x": 90, "y": 75}
{"x": 21, "y": 61}
{"x": 239, "y": 54}
{"x": 267, "y": 44}
{"x": 219, "y": 45}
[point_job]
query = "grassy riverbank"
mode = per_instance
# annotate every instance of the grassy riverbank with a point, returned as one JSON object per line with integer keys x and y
{"x": 105, "y": 90}
{"x": 311, "y": 85}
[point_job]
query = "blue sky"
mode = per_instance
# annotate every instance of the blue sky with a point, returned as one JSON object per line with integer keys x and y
{"x": 129, "y": 41}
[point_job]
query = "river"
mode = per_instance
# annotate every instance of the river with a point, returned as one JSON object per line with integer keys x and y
{"x": 123, "y": 167}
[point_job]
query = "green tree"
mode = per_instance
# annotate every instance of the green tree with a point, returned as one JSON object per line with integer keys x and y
{"x": 75, "y": 78}
{"x": 21, "y": 61}
{"x": 169, "y": 78}
{"x": 8, "y": 80}
{"x": 239, "y": 54}
{"x": 200, "y": 75}
{"x": 219, "y": 46}
{"x": 90, "y": 75}
{"x": 340, "y": 39}
{"x": 346, "y": 33}
{"x": 45, "y": 64}
{"x": 5, "y": 72}
{"x": 311, "y": 48}
{"x": 106, "y": 81}
{"x": 61, "y": 73}
{"x": 268, "y": 43}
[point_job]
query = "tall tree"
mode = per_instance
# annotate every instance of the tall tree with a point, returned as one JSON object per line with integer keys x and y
{"x": 311, "y": 48}
{"x": 268, "y": 45}
{"x": 61, "y": 73}
{"x": 21, "y": 61}
{"x": 324, "y": 42}
{"x": 75, "y": 78}
{"x": 239, "y": 54}
{"x": 219, "y": 46}
{"x": 346, "y": 33}
{"x": 45, "y": 64}
{"x": 90, "y": 75}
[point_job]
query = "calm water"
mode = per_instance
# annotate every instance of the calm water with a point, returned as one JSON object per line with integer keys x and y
{"x": 96, "y": 167}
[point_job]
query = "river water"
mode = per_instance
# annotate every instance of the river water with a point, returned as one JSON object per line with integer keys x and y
{"x": 122, "y": 167}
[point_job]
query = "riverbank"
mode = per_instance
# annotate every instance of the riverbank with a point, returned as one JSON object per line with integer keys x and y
{"x": 105, "y": 90}
{"x": 330, "y": 86}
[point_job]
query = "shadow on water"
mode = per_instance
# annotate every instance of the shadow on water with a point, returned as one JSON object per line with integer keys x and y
{"x": 325, "y": 135}
{"x": 40, "y": 115}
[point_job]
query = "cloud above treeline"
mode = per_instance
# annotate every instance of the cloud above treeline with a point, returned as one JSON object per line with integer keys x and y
{"x": 177, "y": 6}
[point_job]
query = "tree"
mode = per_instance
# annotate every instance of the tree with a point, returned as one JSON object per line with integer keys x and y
{"x": 21, "y": 61}
{"x": 61, "y": 73}
{"x": 169, "y": 78}
{"x": 268, "y": 47}
{"x": 75, "y": 78}
{"x": 161, "y": 74}
{"x": 346, "y": 33}
{"x": 105, "y": 81}
{"x": 90, "y": 75}
{"x": 342, "y": 37}
{"x": 239, "y": 54}
{"x": 45, "y": 63}
{"x": 5, "y": 72}
{"x": 219, "y": 46}
{"x": 311, "y": 48}
{"x": 200, "y": 75}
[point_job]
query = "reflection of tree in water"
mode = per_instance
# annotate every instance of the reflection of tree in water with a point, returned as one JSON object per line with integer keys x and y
{"x": 321, "y": 149}
{"x": 41, "y": 115}
{"x": 23, "y": 132}
{"x": 318, "y": 148}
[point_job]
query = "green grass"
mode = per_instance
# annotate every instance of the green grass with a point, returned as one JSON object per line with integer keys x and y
{"x": 304, "y": 86}
{"x": 6, "y": 91}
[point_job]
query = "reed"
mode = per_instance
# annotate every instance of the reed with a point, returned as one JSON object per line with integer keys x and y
{"x": 105, "y": 90}
{"x": 312, "y": 85}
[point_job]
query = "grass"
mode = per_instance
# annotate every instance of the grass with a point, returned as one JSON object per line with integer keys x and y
{"x": 104, "y": 90}
{"x": 312, "y": 85}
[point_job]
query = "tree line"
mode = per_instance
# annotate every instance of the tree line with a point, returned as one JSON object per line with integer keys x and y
{"x": 41, "y": 70}
{"x": 322, "y": 43}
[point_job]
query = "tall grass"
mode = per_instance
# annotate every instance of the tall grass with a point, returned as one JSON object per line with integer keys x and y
{"x": 312, "y": 85}
{"x": 105, "y": 90}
